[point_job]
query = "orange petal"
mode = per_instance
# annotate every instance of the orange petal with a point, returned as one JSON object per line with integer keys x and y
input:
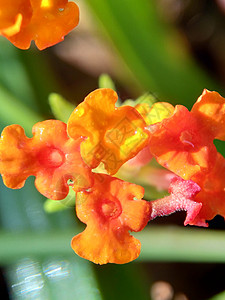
{"x": 110, "y": 209}
{"x": 14, "y": 15}
{"x": 135, "y": 212}
{"x": 113, "y": 135}
{"x": 49, "y": 132}
{"x": 182, "y": 145}
{"x": 13, "y": 29}
{"x": 210, "y": 111}
{"x": 15, "y": 162}
{"x": 212, "y": 193}
{"x": 105, "y": 246}
{"x": 50, "y": 22}
{"x": 59, "y": 160}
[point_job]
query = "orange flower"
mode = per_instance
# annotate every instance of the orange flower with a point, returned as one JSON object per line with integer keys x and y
{"x": 111, "y": 209}
{"x": 183, "y": 144}
{"x": 212, "y": 195}
{"x": 113, "y": 135}
{"x": 44, "y": 21}
{"x": 50, "y": 156}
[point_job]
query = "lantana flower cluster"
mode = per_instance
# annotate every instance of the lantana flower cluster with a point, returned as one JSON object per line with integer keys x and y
{"x": 101, "y": 135}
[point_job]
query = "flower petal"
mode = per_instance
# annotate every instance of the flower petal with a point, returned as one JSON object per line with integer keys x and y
{"x": 210, "y": 110}
{"x": 113, "y": 135}
{"x": 110, "y": 212}
{"x": 15, "y": 162}
{"x": 180, "y": 144}
{"x": 105, "y": 246}
{"x": 14, "y": 15}
{"x": 212, "y": 193}
{"x": 51, "y": 20}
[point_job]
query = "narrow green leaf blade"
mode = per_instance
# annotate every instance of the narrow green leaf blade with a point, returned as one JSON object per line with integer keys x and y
{"x": 60, "y": 107}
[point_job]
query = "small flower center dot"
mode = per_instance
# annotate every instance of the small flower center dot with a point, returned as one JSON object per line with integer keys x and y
{"x": 187, "y": 139}
{"x": 110, "y": 209}
{"x": 51, "y": 157}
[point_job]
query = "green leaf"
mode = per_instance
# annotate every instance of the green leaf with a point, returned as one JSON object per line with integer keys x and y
{"x": 60, "y": 107}
{"x": 181, "y": 244}
{"x": 14, "y": 111}
{"x": 220, "y": 296}
{"x": 105, "y": 81}
{"x": 145, "y": 98}
{"x": 51, "y": 206}
{"x": 129, "y": 281}
{"x": 159, "y": 243}
{"x": 16, "y": 82}
{"x": 151, "y": 49}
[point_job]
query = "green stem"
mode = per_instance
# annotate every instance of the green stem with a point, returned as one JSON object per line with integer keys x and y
{"x": 158, "y": 244}
{"x": 182, "y": 244}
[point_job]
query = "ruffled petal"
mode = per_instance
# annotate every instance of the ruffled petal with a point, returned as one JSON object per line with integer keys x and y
{"x": 110, "y": 209}
{"x": 15, "y": 162}
{"x": 212, "y": 195}
{"x": 210, "y": 111}
{"x": 52, "y": 184}
{"x": 59, "y": 160}
{"x": 113, "y": 135}
{"x": 180, "y": 144}
{"x": 135, "y": 212}
{"x": 51, "y": 20}
{"x": 102, "y": 246}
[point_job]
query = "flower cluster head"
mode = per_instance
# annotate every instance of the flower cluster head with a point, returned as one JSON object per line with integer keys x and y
{"x": 44, "y": 21}
{"x": 101, "y": 135}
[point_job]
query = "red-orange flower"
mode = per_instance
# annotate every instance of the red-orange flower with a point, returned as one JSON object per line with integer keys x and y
{"x": 183, "y": 144}
{"x": 212, "y": 195}
{"x": 110, "y": 209}
{"x": 49, "y": 155}
{"x": 44, "y": 21}
{"x": 113, "y": 135}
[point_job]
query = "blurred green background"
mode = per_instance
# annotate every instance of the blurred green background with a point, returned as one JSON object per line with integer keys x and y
{"x": 172, "y": 49}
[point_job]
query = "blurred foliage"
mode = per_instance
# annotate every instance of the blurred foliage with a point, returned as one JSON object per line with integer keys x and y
{"x": 152, "y": 50}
